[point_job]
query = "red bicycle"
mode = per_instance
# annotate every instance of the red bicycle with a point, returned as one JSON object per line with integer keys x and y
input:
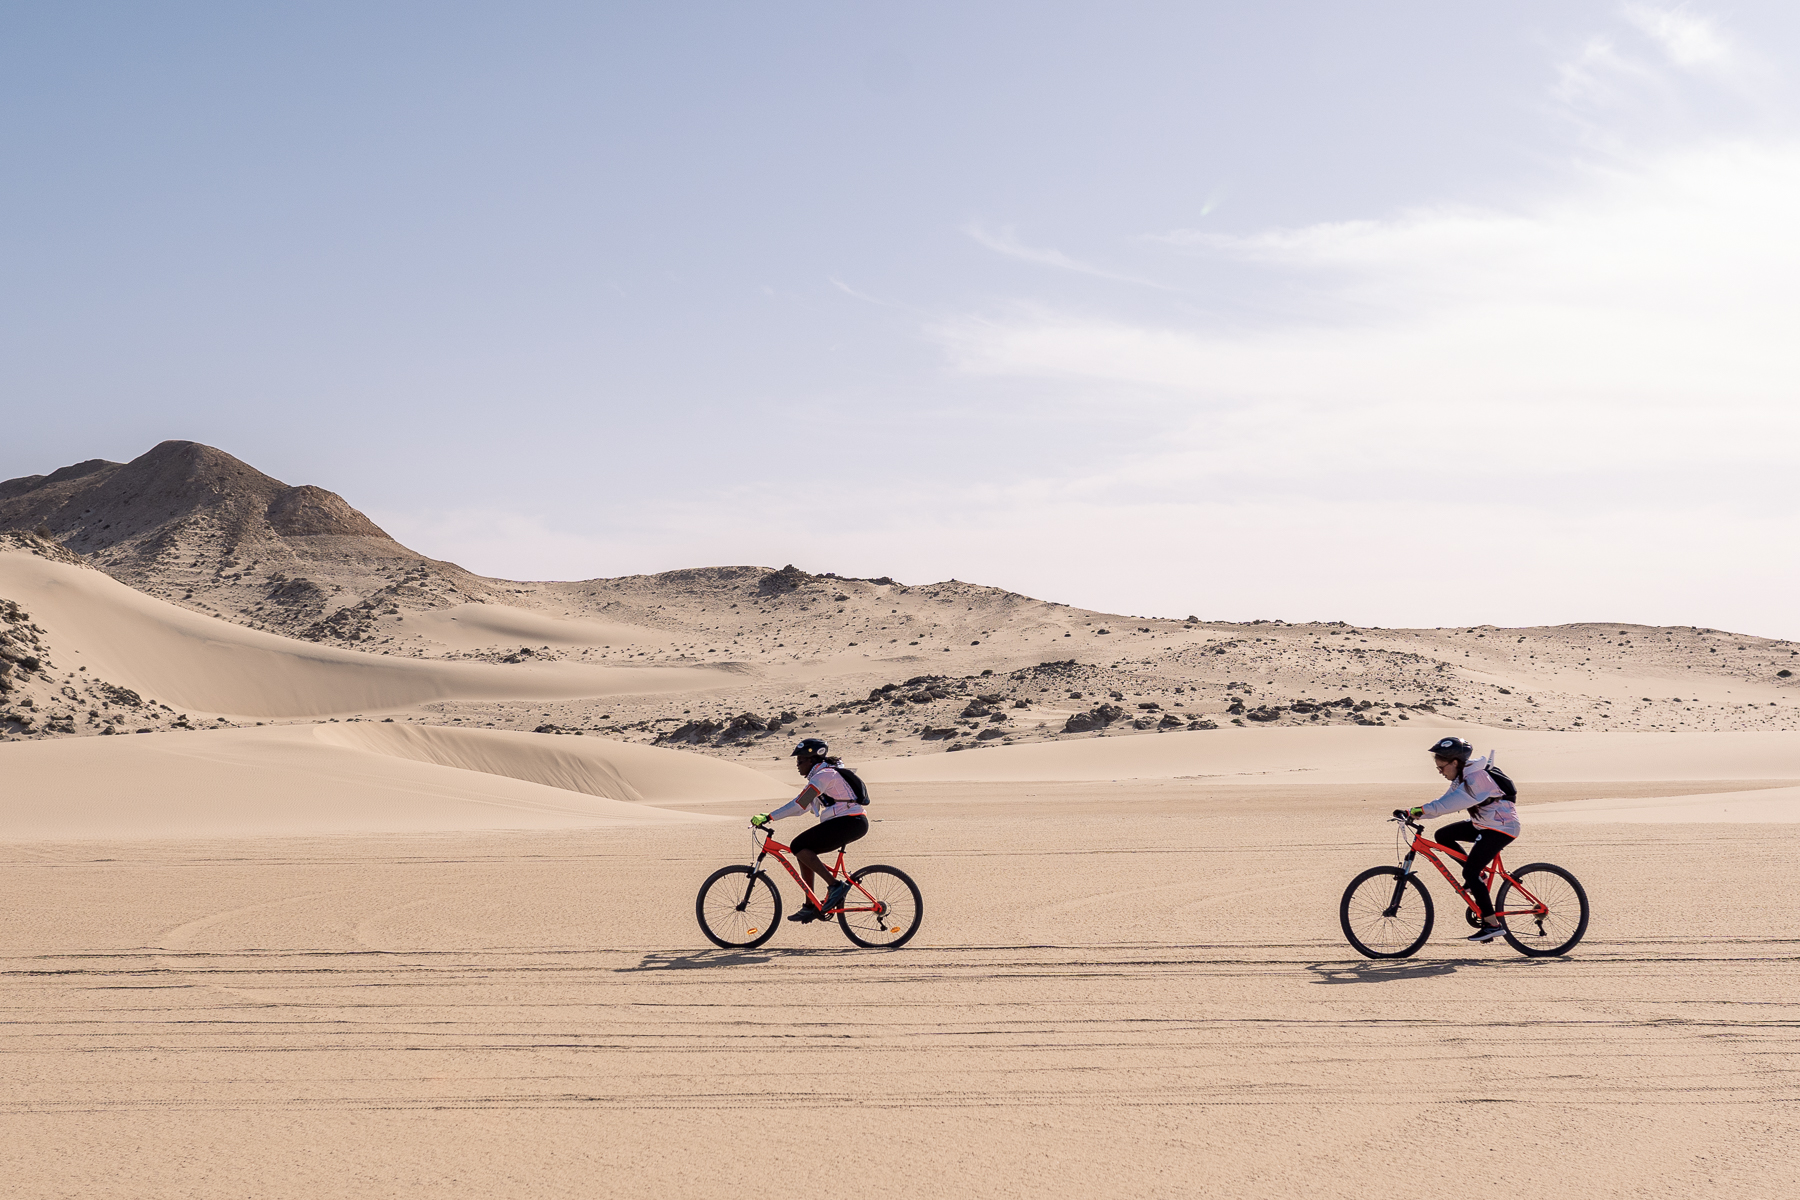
{"x": 1386, "y": 911}
{"x": 740, "y": 907}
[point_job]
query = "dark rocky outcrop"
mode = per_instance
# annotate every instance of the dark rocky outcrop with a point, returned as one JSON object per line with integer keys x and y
{"x": 1095, "y": 718}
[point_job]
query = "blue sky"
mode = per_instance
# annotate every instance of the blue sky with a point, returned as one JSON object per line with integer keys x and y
{"x": 1403, "y": 313}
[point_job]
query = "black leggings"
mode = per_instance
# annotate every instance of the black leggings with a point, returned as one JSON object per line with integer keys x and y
{"x": 834, "y": 834}
{"x": 1487, "y": 843}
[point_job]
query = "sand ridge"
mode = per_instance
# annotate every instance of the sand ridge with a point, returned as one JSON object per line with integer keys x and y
{"x": 325, "y": 779}
{"x": 101, "y": 633}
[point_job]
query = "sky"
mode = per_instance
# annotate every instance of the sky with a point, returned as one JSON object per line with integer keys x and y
{"x": 1399, "y": 313}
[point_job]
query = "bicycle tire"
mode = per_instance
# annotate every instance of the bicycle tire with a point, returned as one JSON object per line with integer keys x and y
{"x": 1557, "y": 931}
{"x": 1364, "y": 917}
{"x": 903, "y": 909}
{"x": 743, "y": 915}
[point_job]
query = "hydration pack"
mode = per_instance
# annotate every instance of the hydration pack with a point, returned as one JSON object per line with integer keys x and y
{"x": 1503, "y": 781}
{"x": 860, "y": 788}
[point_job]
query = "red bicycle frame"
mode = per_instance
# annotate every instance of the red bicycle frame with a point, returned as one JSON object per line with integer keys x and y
{"x": 771, "y": 846}
{"x": 1424, "y": 845}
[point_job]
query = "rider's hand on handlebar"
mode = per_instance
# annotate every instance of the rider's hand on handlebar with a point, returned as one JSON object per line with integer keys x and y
{"x": 759, "y": 820}
{"x": 1407, "y": 814}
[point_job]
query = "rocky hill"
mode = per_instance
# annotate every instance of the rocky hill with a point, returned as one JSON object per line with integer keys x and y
{"x": 194, "y": 525}
{"x": 876, "y": 665}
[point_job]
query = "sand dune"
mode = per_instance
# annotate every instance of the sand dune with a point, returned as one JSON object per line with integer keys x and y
{"x": 591, "y": 766}
{"x": 1338, "y": 756}
{"x": 317, "y": 779}
{"x": 479, "y": 626}
{"x": 206, "y": 666}
{"x": 1763, "y": 806}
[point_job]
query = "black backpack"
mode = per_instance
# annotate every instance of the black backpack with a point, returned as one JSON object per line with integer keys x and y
{"x": 1506, "y": 785}
{"x": 858, "y": 786}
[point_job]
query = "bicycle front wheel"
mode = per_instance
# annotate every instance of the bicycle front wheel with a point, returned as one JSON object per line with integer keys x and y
{"x": 883, "y": 909}
{"x": 738, "y": 908}
{"x": 1386, "y": 913}
{"x": 1564, "y": 920}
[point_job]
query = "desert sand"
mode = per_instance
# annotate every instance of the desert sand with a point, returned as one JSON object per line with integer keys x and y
{"x": 295, "y": 913}
{"x": 1120, "y": 989}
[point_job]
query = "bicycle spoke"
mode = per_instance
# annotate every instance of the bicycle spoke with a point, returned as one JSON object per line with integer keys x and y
{"x": 1564, "y": 916}
{"x": 737, "y": 912}
{"x": 883, "y": 909}
{"x": 1385, "y": 914}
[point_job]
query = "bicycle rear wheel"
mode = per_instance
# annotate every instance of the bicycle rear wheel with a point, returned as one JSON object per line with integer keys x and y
{"x": 738, "y": 908}
{"x": 1552, "y": 932}
{"x": 890, "y": 908}
{"x": 1386, "y": 913}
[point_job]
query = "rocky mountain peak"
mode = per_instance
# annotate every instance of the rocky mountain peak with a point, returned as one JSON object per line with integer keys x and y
{"x": 177, "y": 492}
{"x": 308, "y": 511}
{"x": 193, "y": 524}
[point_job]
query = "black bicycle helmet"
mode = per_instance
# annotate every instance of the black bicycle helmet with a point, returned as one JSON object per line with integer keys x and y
{"x": 810, "y": 748}
{"x": 1452, "y": 747}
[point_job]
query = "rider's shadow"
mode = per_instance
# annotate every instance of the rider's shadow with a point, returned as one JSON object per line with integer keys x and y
{"x": 700, "y": 960}
{"x": 1384, "y": 972}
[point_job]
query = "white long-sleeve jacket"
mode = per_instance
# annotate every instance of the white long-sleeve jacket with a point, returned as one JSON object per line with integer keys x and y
{"x": 1477, "y": 790}
{"x": 835, "y": 798}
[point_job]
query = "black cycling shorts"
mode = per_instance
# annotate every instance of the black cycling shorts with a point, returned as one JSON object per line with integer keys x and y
{"x": 834, "y": 834}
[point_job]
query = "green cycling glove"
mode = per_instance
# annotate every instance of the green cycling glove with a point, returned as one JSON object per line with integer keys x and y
{"x": 759, "y": 820}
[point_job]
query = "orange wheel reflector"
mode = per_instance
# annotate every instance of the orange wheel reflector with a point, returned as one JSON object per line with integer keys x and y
{"x": 752, "y": 933}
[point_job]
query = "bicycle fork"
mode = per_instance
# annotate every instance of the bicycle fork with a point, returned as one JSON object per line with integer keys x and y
{"x": 1406, "y": 870}
{"x": 750, "y": 883}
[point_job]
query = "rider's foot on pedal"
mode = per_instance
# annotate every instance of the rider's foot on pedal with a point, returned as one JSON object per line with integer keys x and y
{"x": 806, "y": 913}
{"x": 835, "y": 897}
{"x": 1488, "y": 933}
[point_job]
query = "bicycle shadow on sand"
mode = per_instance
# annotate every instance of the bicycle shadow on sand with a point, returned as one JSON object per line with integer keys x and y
{"x": 1402, "y": 969}
{"x": 1385, "y": 972}
{"x": 701, "y": 960}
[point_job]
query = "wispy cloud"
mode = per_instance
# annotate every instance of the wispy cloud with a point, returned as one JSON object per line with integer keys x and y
{"x": 1005, "y": 241}
{"x": 845, "y": 288}
{"x": 1661, "y": 51}
{"x": 1664, "y": 289}
{"x": 1690, "y": 41}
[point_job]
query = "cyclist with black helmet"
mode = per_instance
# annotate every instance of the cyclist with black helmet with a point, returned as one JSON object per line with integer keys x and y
{"x": 1493, "y": 823}
{"x": 841, "y": 820}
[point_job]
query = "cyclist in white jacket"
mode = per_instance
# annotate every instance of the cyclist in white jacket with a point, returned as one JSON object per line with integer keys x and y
{"x": 1493, "y": 823}
{"x": 841, "y": 820}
